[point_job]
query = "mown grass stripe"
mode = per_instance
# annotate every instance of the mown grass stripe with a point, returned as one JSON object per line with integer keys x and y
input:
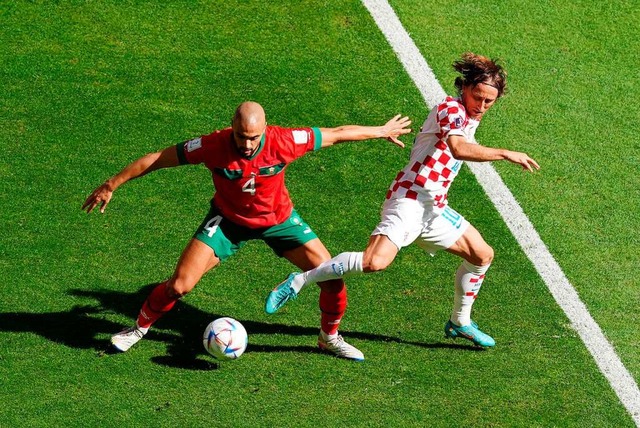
{"x": 563, "y": 292}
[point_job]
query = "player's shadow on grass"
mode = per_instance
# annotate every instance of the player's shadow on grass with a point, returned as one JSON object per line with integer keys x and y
{"x": 87, "y": 327}
{"x": 179, "y": 329}
{"x": 75, "y": 328}
{"x": 185, "y": 319}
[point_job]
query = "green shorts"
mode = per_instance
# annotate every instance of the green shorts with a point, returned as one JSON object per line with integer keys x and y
{"x": 226, "y": 237}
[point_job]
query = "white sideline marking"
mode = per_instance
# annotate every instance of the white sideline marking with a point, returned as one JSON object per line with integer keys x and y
{"x": 565, "y": 295}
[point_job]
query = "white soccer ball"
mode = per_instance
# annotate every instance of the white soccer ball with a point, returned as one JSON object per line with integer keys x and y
{"x": 225, "y": 339}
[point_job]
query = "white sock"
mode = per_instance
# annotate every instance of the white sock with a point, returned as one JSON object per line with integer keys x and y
{"x": 339, "y": 266}
{"x": 469, "y": 279}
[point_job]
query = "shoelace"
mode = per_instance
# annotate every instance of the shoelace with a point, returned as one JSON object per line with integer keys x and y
{"x": 135, "y": 331}
{"x": 288, "y": 293}
{"x": 337, "y": 342}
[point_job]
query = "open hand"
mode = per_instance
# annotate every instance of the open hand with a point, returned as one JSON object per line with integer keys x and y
{"x": 99, "y": 197}
{"x": 396, "y": 127}
{"x": 524, "y": 160}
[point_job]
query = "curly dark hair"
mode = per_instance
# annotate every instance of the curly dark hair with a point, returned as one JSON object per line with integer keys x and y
{"x": 476, "y": 69}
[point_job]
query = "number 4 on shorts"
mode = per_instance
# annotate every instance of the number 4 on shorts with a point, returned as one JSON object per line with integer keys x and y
{"x": 212, "y": 225}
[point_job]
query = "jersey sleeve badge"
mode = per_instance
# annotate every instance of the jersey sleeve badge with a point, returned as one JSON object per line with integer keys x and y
{"x": 301, "y": 137}
{"x": 194, "y": 144}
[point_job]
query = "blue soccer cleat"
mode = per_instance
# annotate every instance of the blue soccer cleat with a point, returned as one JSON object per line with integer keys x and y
{"x": 280, "y": 295}
{"x": 470, "y": 332}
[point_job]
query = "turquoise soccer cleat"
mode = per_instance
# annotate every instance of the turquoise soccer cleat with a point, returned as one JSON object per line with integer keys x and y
{"x": 280, "y": 295}
{"x": 470, "y": 332}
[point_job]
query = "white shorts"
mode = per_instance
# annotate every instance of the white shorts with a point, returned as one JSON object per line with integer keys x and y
{"x": 405, "y": 221}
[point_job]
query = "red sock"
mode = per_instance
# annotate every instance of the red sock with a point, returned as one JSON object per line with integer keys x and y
{"x": 332, "y": 305}
{"x": 157, "y": 304}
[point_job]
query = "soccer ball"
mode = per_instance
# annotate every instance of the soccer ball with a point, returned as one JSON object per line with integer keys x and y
{"x": 225, "y": 339}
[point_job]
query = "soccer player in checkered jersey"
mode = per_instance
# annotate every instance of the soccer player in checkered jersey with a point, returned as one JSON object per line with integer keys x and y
{"x": 416, "y": 207}
{"x": 247, "y": 163}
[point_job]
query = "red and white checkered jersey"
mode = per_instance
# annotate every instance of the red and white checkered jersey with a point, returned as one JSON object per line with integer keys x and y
{"x": 432, "y": 167}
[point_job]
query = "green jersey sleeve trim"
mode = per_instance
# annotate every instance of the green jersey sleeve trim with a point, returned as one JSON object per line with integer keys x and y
{"x": 181, "y": 157}
{"x": 317, "y": 138}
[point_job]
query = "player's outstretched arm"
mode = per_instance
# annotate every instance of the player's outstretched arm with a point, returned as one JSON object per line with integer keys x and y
{"x": 522, "y": 159}
{"x": 391, "y": 131}
{"x": 463, "y": 150}
{"x": 101, "y": 196}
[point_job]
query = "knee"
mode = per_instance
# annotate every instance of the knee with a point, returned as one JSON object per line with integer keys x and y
{"x": 484, "y": 256}
{"x": 375, "y": 263}
{"x": 179, "y": 286}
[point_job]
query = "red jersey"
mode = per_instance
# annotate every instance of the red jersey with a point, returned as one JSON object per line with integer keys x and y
{"x": 251, "y": 191}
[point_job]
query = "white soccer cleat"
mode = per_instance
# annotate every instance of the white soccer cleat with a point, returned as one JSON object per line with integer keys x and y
{"x": 340, "y": 348}
{"x": 127, "y": 338}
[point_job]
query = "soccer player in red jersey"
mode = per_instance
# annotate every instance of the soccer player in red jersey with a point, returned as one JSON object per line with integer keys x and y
{"x": 416, "y": 207}
{"x": 247, "y": 163}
